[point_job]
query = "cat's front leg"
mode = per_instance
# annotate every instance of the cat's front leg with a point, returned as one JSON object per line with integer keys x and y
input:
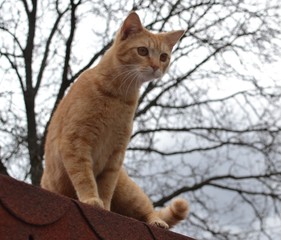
{"x": 81, "y": 174}
{"x": 107, "y": 180}
{"x": 86, "y": 188}
{"x": 94, "y": 201}
{"x": 106, "y": 183}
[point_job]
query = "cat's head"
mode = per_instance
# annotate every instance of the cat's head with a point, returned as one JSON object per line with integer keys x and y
{"x": 145, "y": 54}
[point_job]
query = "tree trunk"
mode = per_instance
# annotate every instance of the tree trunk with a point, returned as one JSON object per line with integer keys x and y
{"x": 36, "y": 167}
{"x": 29, "y": 99}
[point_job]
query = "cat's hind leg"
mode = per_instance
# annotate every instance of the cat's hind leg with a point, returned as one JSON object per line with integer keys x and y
{"x": 130, "y": 200}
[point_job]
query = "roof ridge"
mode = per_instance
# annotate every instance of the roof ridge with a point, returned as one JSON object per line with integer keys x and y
{"x": 29, "y": 212}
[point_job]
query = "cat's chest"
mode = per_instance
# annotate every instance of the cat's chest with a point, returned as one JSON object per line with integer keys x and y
{"x": 114, "y": 120}
{"x": 115, "y": 127}
{"x": 118, "y": 121}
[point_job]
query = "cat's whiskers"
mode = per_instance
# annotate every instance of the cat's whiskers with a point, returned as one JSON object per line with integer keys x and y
{"x": 123, "y": 70}
{"x": 137, "y": 83}
{"x": 128, "y": 74}
{"x": 120, "y": 75}
{"x": 133, "y": 79}
{"x": 119, "y": 79}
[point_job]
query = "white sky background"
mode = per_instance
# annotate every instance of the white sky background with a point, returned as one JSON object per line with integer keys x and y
{"x": 268, "y": 75}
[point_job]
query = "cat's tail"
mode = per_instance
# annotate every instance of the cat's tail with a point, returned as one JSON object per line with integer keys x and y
{"x": 175, "y": 212}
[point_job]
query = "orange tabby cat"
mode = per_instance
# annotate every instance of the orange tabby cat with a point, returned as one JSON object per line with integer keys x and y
{"x": 91, "y": 127}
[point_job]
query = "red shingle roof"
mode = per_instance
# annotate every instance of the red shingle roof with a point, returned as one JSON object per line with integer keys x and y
{"x": 31, "y": 213}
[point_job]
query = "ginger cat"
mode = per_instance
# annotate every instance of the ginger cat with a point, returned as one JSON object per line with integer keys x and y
{"x": 91, "y": 127}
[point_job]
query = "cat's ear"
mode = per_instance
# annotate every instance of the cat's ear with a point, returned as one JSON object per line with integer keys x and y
{"x": 131, "y": 25}
{"x": 173, "y": 37}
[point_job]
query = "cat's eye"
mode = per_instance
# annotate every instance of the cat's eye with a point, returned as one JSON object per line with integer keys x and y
{"x": 143, "y": 51}
{"x": 163, "y": 57}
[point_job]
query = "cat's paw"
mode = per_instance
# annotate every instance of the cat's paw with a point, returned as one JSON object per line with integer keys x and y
{"x": 94, "y": 201}
{"x": 159, "y": 223}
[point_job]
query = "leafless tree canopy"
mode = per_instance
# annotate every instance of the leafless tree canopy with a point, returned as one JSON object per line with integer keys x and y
{"x": 208, "y": 131}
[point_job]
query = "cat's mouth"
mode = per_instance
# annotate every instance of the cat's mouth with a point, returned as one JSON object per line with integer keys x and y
{"x": 149, "y": 75}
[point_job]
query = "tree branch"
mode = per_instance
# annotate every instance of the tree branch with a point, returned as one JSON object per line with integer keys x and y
{"x": 16, "y": 70}
{"x": 47, "y": 49}
{"x": 209, "y": 182}
{"x": 208, "y": 129}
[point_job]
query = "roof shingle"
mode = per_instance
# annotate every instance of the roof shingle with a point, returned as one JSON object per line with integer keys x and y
{"x": 30, "y": 213}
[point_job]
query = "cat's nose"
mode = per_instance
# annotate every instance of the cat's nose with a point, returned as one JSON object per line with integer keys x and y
{"x": 155, "y": 67}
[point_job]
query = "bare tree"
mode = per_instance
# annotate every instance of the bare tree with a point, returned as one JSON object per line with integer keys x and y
{"x": 209, "y": 130}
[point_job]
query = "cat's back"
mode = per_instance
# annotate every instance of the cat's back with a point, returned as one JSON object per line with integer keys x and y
{"x": 81, "y": 92}
{"x": 71, "y": 105}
